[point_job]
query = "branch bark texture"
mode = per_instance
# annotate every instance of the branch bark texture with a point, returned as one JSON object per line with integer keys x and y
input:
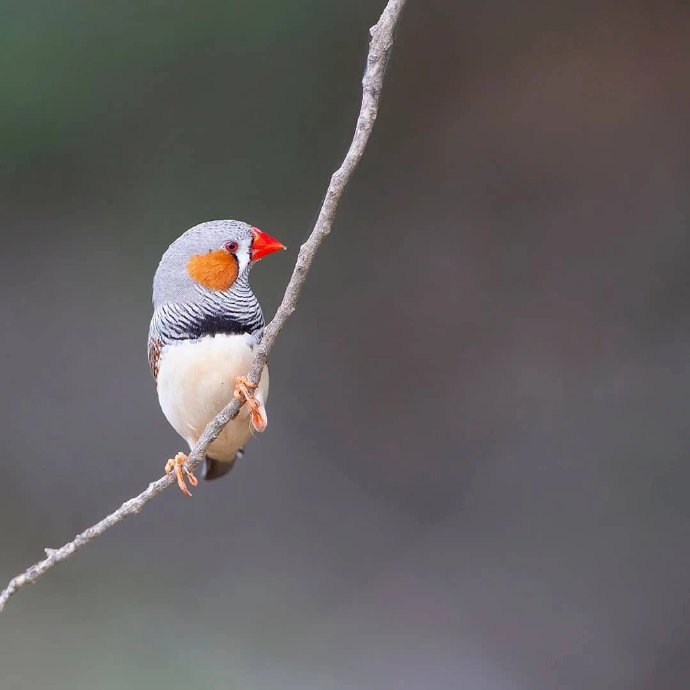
{"x": 379, "y": 51}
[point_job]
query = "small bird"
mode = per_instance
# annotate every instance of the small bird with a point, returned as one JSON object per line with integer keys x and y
{"x": 205, "y": 326}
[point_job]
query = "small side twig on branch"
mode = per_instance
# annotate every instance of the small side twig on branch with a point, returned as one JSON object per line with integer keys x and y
{"x": 379, "y": 52}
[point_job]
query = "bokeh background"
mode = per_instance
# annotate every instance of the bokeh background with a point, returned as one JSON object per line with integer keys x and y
{"x": 476, "y": 470}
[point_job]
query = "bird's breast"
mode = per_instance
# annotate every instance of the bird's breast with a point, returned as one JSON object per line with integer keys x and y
{"x": 196, "y": 380}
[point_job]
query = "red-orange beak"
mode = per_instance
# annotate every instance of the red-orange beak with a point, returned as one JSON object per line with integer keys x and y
{"x": 263, "y": 244}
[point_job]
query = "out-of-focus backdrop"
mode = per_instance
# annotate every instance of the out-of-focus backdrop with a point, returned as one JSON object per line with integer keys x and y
{"x": 476, "y": 470}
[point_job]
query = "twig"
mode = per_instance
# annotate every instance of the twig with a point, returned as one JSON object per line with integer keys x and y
{"x": 379, "y": 51}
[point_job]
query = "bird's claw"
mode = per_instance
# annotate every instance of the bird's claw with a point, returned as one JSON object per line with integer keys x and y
{"x": 244, "y": 391}
{"x": 177, "y": 464}
{"x": 244, "y": 388}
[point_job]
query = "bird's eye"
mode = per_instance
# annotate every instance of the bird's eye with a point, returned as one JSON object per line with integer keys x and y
{"x": 231, "y": 247}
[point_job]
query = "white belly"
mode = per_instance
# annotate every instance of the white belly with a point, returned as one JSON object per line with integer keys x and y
{"x": 196, "y": 380}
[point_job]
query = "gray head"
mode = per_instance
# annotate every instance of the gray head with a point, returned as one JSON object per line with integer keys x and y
{"x": 209, "y": 259}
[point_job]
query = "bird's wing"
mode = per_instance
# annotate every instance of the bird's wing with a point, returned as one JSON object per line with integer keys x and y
{"x": 155, "y": 345}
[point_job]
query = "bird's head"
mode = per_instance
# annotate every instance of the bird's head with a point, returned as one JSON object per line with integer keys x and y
{"x": 213, "y": 255}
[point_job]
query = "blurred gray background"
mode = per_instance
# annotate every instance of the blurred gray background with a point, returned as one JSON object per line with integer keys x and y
{"x": 476, "y": 469}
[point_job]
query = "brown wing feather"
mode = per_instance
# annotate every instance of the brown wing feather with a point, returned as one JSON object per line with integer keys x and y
{"x": 155, "y": 348}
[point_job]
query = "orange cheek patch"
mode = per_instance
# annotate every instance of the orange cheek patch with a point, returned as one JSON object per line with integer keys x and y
{"x": 216, "y": 270}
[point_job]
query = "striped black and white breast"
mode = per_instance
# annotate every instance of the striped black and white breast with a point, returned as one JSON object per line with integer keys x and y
{"x": 215, "y": 314}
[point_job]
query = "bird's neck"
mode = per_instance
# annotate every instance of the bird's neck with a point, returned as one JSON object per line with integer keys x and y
{"x": 228, "y": 312}
{"x": 236, "y": 310}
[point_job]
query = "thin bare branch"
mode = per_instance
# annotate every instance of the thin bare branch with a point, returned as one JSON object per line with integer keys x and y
{"x": 379, "y": 52}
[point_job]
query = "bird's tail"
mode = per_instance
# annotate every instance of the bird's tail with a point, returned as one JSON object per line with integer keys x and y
{"x": 217, "y": 468}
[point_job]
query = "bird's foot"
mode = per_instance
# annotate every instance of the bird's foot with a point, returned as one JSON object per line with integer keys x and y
{"x": 177, "y": 464}
{"x": 244, "y": 389}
